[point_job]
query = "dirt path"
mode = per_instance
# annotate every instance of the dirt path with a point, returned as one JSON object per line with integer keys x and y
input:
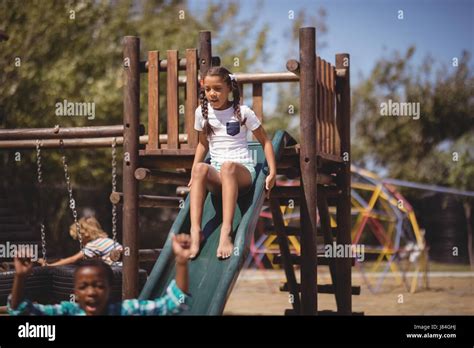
{"x": 257, "y": 293}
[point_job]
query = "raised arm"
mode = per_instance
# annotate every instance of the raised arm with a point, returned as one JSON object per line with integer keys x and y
{"x": 23, "y": 268}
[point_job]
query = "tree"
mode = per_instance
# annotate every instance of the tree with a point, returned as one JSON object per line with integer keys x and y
{"x": 438, "y": 147}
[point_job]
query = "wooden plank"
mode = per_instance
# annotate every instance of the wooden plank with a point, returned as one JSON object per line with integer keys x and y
{"x": 257, "y": 102}
{"x": 191, "y": 102}
{"x": 131, "y": 114}
{"x": 319, "y": 107}
{"x": 307, "y": 43}
{"x": 323, "y": 288}
{"x": 343, "y": 217}
{"x": 324, "y": 107}
{"x": 329, "y": 134}
{"x": 285, "y": 252}
{"x": 172, "y": 99}
{"x": 153, "y": 100}
{"x": 337, "y": 140}
{"x": 241, "y": 91}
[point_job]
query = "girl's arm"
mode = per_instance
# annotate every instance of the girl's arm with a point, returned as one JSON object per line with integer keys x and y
{"x": 201, "y": 151}
{"x": 262, "y": 137}
{"x": 68, "y": 260}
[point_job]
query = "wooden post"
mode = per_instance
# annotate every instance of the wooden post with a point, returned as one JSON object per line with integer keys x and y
{"x": 131, "y": 112}
{"x": 205, "y": 52}
{"x": 153, "y": 100}
{"x": 191, "y": 96}
{"x": 343, "y": 265}
{"x": 257, "y": 102}
{"x": 308, "y": 170}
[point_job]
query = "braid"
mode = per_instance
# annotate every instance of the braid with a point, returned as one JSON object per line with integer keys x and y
{"x": 236, "y": 102}
{"x": 204, "y": 110}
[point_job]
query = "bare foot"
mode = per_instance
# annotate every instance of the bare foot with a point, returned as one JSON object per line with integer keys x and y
{"x": 196, "y": 239}
{"x": 225, "y": 248}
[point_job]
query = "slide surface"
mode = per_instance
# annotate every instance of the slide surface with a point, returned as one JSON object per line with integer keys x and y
{"x": 211, "y": 280}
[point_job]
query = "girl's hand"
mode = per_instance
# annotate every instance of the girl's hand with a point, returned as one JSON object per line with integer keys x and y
{"x": 23, "y": 266}
{"x": 269, "y": 183}
{"x": 42, "y": 262}
{"x": 190, "y": 181}
{"x": 181, "y": 247}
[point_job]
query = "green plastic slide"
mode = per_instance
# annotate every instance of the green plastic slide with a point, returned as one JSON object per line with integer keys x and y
{"x": 211, "y": 280}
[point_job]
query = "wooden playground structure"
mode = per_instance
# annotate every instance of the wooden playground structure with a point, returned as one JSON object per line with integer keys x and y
{"x": 322, "y": 160}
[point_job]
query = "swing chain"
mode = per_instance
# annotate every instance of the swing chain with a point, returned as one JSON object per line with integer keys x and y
{"x": 72, "y": 202}
{"x": 114, "y": 189}
{"x": 40, "y": 181}
{"x": 115, "y": 254}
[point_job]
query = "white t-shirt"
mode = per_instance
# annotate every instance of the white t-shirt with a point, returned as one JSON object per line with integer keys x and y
{"x": 229, "y": 141}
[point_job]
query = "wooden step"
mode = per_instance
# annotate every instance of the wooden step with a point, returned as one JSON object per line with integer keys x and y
{"x": 322, "y": 288}
{"x": 296, "y": 260}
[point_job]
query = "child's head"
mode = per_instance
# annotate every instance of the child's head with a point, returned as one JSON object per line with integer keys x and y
{"x": 90, "y": 229}
{"x": 216, "y": 86}
{"x": 92, "y": 285}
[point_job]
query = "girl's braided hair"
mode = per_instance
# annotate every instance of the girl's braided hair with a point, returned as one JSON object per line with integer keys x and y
{"x": 225, "y": 75}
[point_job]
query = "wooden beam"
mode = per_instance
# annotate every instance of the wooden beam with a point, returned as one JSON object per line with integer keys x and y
{"x": 307, "y": 37}
{"x": 343, "y": 217}
{"x": 62, "y": 133}
{"x": 131, "y": 114}
{"x": 147, "y": 201}
{"x": 145, "y": 174}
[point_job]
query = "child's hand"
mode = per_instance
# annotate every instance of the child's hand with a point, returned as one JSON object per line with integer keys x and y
{"x": 269, "y": 183}
{"x": 190, "y": 182}
{"x": 42, "y": 262}
{"x": 23, "y": 266}
{"x": 181, "y": 247}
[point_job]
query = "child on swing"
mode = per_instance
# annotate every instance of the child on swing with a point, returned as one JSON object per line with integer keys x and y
{"x": 96, "y": 243}
{"x": 92, "y": 287}
{"x": 222, "y": 126}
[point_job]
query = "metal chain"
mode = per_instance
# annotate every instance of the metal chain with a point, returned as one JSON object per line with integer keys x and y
{"x": 114, "y": 189}
{"x": 72, "y": 202}
{"x": 40, "y": 181}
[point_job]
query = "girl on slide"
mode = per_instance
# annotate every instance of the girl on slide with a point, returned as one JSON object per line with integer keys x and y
{"x": 222, "y": 125}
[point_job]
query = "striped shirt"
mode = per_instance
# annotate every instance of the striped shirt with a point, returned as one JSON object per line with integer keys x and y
{"x": 101, "y": 248}
{"x": 174, "y": 302}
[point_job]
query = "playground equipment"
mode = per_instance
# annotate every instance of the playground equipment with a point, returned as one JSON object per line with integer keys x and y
{"x": 321, "y": 160}
{"x": 384, "y": 223}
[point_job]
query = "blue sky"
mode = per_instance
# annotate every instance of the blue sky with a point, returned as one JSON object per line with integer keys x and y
{"x": 369, "y": 29}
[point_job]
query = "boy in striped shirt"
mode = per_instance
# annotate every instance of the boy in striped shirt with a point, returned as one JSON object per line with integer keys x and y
{"x": 92, "y": 286}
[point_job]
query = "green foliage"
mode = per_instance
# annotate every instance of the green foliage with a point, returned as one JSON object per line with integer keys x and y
{"x": 438, "y": 148}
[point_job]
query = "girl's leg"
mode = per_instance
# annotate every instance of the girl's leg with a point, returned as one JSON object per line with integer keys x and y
{"x": 204, "y": 177}
{"x": 234, "y": 177}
